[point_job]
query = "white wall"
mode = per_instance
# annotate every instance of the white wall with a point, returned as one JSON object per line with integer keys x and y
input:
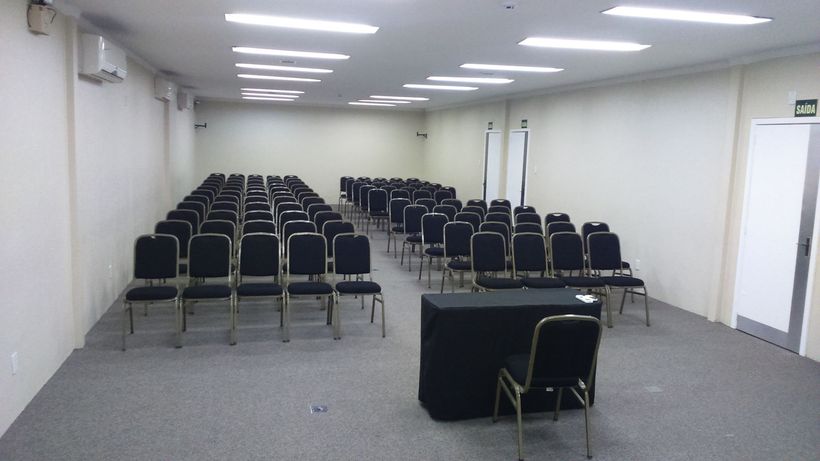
{"x": 318, "y": 144}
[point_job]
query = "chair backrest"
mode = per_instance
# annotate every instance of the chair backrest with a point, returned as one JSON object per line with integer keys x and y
{"x": 324, "y": 216}
{"x": 224, "y": 215}
{"x": 457, "y": 236}
{"x": 349, "y": 189}
{"x": 604, "y": 251}
{"x": 523, "y": 209}
{"x": 479, "y": 203}
{"x": 343, "y": 182}
{"x": 417, "y": 194}
{"x": 293, "y": 215}
{"x": 499, "y": 217}
{"x": 307, "y": 254}
{"x": 285, "y": 198}
{"x": 566, "y": 251}
{"x": 156, "y": 257}
{"x": 297, "y": 227}
{"x": 499, "y": 228}
{"x": 529, "y": 252}
{"x": 364, "y": 199}
{"x": 451, "y": 189}
{"x": 498, "y": 209}
{"x": 331, "y": 229}
{"x": 186, "y": 215}
{"x": 224, "y": 206}
{"x": 317, "y": 208}
{"x": 488, "y": 252}
{"x": 396, "y": 209}
{"x": 259, "y": 255}
{"x": 227, "y": 198}
{"x": 453, "y": 202}
{"x": 209, "y": 193}
{"x": 377, "y": 201}
{"x": 356, "y": 189}
{"x": 197, "y": 206}
{"x": 285, "y": 207}
{"x": 441, "y": 195}
{"x": 412, "y": 218}
{"x": 427, "y": 203}
{"x": 447, "y": 210}
{"x": 262, "y": 226}
{"x": 302, "y": 195}
{"x": 475, "y": 209}
{"x": 209, "y": 255}
{"x": 219, "y": 226}
{"x": 590, "y": 228}
{"x": 258, "y": 206}
{"x": 432, "y": 228}
{"x": 400, "y": 193}
{"x": 560, "y": 226}
{"x": 308, "y": 201}
{"x": 528, "y": 218}
{"x": 258, "y": 216}
{"x": 502, "y": 202}
{"x": 473, "y": 218}
{"x": 528, "y": 227}
{"x": 179, "y": 229}
{"x": 564, "y": 347}
{"x": 351, "y": 254}
{"x": 555, "y": 217}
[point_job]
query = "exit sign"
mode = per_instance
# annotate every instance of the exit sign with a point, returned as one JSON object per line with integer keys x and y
{"x": 805, "y": 108}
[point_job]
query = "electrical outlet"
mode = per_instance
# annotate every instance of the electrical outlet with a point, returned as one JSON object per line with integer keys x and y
{"x": 14, "y": 363}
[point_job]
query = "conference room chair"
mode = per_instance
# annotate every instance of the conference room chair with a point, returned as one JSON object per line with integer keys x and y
{"x": 330, "y": 229}
{"x": 156, "y": 258}
{"x": 412, "y": 232}
{"x": 523, "y": 209}
{"x": 223, "y": 215}
{"x": 489, "y": 259}
{"x": 353, "y": 209}
{"x": 498, "y": 209}
{"x": 307, "y": 257}
{"x": 441, "y": 195}
{"x": 352, "y": 262}
{"x": 348, "y": 199}
{"x": 605, "y": 255}
{"x": 450, "y": 189}
{"x": 198, "y": 207}
{"x": 198, "y": 197}
{"x": 286, "y": 207}
{"x": 400, "y": 193}
{"x": 261, "y": 226}
{"x": 555, "y": 217}
{"x": 429, "y": 188}
{"x": 343, "y": 189}
{"x": 432, "y": 239}
{"x": 219, "y": 226}
{"x": 209, "y": 272}
{"x": 529, "y": 256}
{"x": 259, "y": 192}
{"x": 262, "y": 198}
{"x": 481, "y": 212}
{"x": 307, "y": 202}
{"x": 504, "y": 230}
{"x": 317, "y": 208}
{"x": 592, "y": 227}
{"x": 421, "y": 193}
{"x": 447, "y": 210}
{"x": 189, "y": 216}
{"x": 296, "y": 227}
{"x": 377, "y": 208}
{"x": 395, "y": 221}
{"x": 364, "y": 203}
{"x": 227, "y": 198}
{"x": 258, "y": 274}
{"x": 306, "y": 194}
{"x": 473, "y": 218}
{"x": 234, "y": 192}
{"x": 182, "y": 231}
{"x": 457, "y": 236}
{"x": 388, "y": 188}
{"x": 453, "y": 202}
{"x": 208, "y": 194}
{"x": 278, "y": 200}
{"x": 528, "y": 217}
{"x": 479, "y": 203}
{"x": 502, "y": 202}
{"x": 568, "y": 263}
{"x": 427, "y": 203}
{"x": 291, "y": 215}
{"x": 324, "y": 216}
{"x": 224, "y": 206}
{"x": 528, "y": 227}
{"x": 258, "y": 206}
{"x": 499, "y": 217}
{"x": 559, "y": 226}
{"x": 563, "y": 355}
{"x": 258, "y": 215}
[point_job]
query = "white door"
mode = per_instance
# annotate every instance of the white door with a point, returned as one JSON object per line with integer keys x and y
{"x": 492, "y": 165}
{"x": 517, "y": 150}
{"x": 777, "y": 234}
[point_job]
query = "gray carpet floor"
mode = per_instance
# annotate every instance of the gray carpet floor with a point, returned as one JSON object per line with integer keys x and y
{"x": 682, "y": 389}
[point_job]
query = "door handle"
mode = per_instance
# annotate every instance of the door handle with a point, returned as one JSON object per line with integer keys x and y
{"x": 807, "y": 245}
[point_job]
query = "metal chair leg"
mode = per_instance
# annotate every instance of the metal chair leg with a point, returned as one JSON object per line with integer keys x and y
{"x": 234, "y": 320}
{"x": 337, "y": 324}
{"x": 608, "y": 306}
{"x": 497, "y": 398}
{"x": 518, "y": 418}
{"x": 286, "y": 314}
{"x": 646, "y": 304}
{"x": 558, "y": 403}
{"x": 586, "y": 420}
{"x": 124, "y": 320}
{"x": 383, "y": 324}
{"x": 178, "y": 319}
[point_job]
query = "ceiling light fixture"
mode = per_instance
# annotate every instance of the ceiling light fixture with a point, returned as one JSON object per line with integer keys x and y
{"x": 276, "y": 77}
{"x": 269, "y": 95}
{"x": 440, "y": 87}
{"x": 404, "y": 98}
{"x": 387, "y": 101}
{"x": 371, "y": 104}
{"x": 298, "y": 23}
{"x": 684, "y": 15}
{"x": 311, "y": 70}
{"x": 266, "y": 90}
{"x": 488, "y": 80}
{"x": 288, "y": 53}
{"x": 582, "y": 44}
{"x": 510, "y": 68}
{"x": 257, "y": 98}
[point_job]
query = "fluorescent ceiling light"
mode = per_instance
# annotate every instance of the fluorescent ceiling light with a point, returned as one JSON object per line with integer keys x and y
{"x": 266, "y": 90}
{"x": 492, "y": 81}
{"x": 388, "y": 101}
{"x": 683, "y": 15}
{"x": 298, "y": 23}
{"x": 582, "y": 44}
{"x": 405, "y": 98}
{"x": 288, "y": 53}
{"x": 371, "y": 104}
{"x": 312, "y": 70}
{"x": 276, "y": 77}
{"x": 510, "y": 68}
{"x": 257, "y": 98}
{"x": 440, "y": 87}
{"x": 269, "y": 95}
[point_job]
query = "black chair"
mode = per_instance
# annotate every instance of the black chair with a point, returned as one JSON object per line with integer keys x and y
{"x": 395, "y": 223}
{"x": 182, "y": 231}
{"x": 307, "y": 256}
{"x": 432, "y": 237}
{"x": 225, "y": 206}
{"x": 498, "y": 209}
{"x": 209, "y": 257}
{"x": 190, "y": 216}
{"x": 285, "y": 208}
{"x": 559, "y": 226}
{"x": 258, "y": 206}
{"x": 343, "y": 189}
{"x": 317, "y": 208}
{"x": 306, "y": 194}
{"x": 224, "y": 215}
{"x": 258, "y": 273}
{"x": 499, "y": 217}
{"x": 523, "y": 209}
{"x": 427, "y": 203}
{"x": 255, "y": 227}
{"x": 286, "y": 197}
{"x": 352, "y": 259}
{"x": 598, "y": 226}
{"x": 567, "y": 261}
{"x": 219, "y": 226}
{"x": 457, "y": 236}
{"x": 453, "y": 202}
{"x": 196, "y": 206}
{"x": 472, "y": 218}
{"x": 605, "y": 255}
{"x": 447, "y": 210}
{"x": 199, "y": 194}
{"x": 330, "y": 230}
{"x": 528, "y": 218}
{"x": 307, "y": 202}
{"x": 377, "y": 208}
{"x": 555, "y": 217}
{"x": 286, "y": 216}
{"x": 364, "y": 202}
{"x": 418, "y": 194}
{"x": 481, "y": 212}
{"x": 451, "y": 189}
{"x": 258, "y": 215}
{"x": 261, "y": 198}
{"x": 501, "y": 228}
{"x": 563, "y": 355}
{"x": 479, "y": 203}
{"x": 156, "y": 258}
{"x": 227, "y": 198}
{"x": 441, "y": 195}
{"x": 400, "y": 193}
{"x": 529, "y": 255}
{"x": 324, "y": 216}
{"x": 412, "y": 232}
{"x": 296, "y": 227}
{"x": 489, "y": 258}
{"x": 502, "y": 202}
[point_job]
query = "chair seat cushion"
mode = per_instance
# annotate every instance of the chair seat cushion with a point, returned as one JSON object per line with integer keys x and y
{"x": 358, "y": 287}
{"x": 518, "y": 364}
{"x": 151, "y": 293}
{"x": 543, "y": 282}
{"x": 259, "y": 289}
{"x": 434, "y": 251}
{"x": 459, "y": 265}
{"x": 622, "y": 281}
{"x": 583, "y": 282}
{"x": 492, "y": 283}
{"x": 413, "y": 238}
{"x": 207, "y": 292}
{"x": 309, "y": 288}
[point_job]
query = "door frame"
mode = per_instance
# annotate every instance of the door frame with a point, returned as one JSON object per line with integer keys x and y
{"x": 524, "y": 175}
{"x": 487, "y": 134}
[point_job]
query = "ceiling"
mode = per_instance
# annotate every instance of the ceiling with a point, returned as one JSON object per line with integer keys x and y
{"x": 191, "y": 42}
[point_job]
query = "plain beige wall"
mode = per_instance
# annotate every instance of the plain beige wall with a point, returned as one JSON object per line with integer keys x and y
{"x": 318, "y": 144}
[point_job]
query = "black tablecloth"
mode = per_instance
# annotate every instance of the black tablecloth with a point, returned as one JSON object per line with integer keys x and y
{"x": 465, "y": 338}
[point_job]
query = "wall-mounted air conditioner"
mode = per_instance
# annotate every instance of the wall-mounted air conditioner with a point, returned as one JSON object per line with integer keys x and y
{"x": 101, "y": 60}
{"x": 185, "y": 100}
{"x": 164, "y": 89}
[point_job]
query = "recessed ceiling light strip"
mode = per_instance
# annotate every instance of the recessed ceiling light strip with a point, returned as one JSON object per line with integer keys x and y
{"x": 288, "y": 53}
{"x": 405, "y": 98}
{"x": 269, "y": 95}
{"x": 582, "y": 44}
{"x": 440, "y": 87}
{"x": 488, "y": 80}
{"x": 510, "y": 68}
{"x": 371, "y": 104}
{"x": 311, "y": 70}
{"x": 276, "y": 77}
{"x": 685, "y": 15}
{"x": 257, "y": 98}
{"x": 267, "y": 90}
{"x": 299, "y": 23}
{"x": 385, "y": 101}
